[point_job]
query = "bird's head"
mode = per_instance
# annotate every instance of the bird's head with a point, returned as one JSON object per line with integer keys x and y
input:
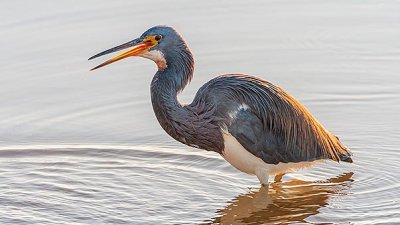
{"x": 158, "y": 44}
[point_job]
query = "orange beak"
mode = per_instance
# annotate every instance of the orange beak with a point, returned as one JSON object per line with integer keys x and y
{"x": 139, "y": 45}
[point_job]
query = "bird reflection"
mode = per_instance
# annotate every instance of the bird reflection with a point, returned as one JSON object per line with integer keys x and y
{"x": 282, "y": 202}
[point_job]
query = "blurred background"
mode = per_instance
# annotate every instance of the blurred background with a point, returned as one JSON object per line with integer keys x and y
{"x": 83, "y": 147}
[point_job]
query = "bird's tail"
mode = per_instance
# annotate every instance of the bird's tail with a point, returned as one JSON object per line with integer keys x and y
{"x": 346, "y": 158}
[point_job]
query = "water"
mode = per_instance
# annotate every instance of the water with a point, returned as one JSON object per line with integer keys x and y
{"x": 80, "y": 147}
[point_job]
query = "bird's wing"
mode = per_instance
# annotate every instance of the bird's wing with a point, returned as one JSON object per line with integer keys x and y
{"x": 248, "y": 129}
{"x": 270, "y": 123}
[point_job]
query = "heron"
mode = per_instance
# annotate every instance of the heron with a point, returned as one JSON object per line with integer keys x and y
{"x": 253, "y": 124}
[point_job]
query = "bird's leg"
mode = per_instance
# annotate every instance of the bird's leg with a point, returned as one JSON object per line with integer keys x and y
{"x": 262, "y": 175}
{"x": 278, "y": 177}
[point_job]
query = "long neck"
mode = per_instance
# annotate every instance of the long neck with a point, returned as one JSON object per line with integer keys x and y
{"x": 165, "y": 87}
{"x": 183, "y": 123}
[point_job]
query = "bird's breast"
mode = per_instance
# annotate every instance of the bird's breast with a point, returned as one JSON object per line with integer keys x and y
{"x": 238, "y": 156}
{"x": 243, "y": 160}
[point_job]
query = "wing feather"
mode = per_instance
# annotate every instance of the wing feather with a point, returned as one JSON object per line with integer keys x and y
{"x": 275, "y": 127}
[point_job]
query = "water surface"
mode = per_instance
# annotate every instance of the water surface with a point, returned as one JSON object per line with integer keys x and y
{"x": 80, "y": 147}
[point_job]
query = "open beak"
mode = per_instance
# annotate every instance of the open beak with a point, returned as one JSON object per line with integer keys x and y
{"x": 139, "y": 45}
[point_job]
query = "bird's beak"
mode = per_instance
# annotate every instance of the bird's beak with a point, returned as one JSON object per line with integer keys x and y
{"x": 140, "y": 46}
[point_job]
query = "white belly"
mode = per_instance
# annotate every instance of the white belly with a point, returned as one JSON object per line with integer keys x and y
{"x": 246, "y": 162}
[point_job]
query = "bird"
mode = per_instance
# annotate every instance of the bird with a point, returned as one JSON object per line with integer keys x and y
{"x": 253, "y": 124}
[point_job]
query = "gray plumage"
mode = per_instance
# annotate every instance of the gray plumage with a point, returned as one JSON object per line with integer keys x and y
{"x": 276, "y": 127}
{"x": 265, "y": 120}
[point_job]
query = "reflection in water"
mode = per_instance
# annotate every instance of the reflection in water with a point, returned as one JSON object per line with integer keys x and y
{"x": 79, "y": 148}
{"x": 286, "y": 202}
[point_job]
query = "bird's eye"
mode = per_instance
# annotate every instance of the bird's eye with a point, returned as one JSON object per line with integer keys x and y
{"x": 157, "y": 37}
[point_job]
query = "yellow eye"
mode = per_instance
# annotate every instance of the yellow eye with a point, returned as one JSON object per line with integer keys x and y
{"x": 157, "y": 37}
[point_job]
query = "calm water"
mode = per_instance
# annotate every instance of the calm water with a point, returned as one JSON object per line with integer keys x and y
{"x": 80, "y": 147}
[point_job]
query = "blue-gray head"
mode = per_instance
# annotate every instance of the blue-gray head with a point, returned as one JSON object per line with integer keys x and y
{"x": 162, "y": 44}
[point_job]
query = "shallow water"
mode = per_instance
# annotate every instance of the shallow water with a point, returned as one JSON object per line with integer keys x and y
{"x": 85, "y": 148}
